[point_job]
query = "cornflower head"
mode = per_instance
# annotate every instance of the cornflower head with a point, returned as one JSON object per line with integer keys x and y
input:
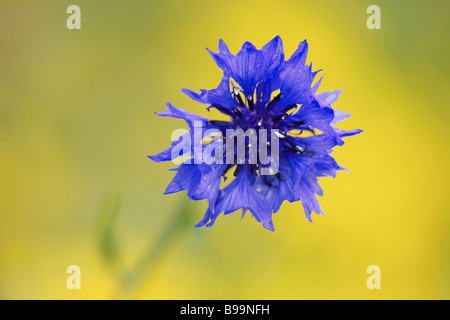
{"x": 275, "y": 144}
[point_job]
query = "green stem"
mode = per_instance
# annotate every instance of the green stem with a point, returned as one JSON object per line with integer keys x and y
{"x": 180, "y": 222}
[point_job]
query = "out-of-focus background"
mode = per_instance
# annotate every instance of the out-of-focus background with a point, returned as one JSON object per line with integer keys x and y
{"x": 77, "y": 123}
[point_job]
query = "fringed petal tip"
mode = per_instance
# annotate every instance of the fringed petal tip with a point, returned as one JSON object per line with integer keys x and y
{"x": 268, "y": 224}
{"x": 343, "y": 168}
{"x": 347, "y": 133}
{"x": 244, "y": 211}
{"x": 199, "y": 97}
{"x": 155, "y": 158}
{"x": 208, "y": 219}
{"x": 352, "y": 132}
{"x": 309, "y": 212}
{"x": 202, "y": 223}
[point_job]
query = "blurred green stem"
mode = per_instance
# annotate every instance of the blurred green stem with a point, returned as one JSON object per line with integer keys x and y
{"x": 180, "y": 222}
{"x": 109, "y": 246}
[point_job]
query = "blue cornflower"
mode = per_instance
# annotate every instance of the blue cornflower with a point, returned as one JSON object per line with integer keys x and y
{"x": 259, "y": 91}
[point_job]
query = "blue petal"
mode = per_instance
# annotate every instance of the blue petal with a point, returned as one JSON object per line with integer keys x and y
{"x": 208, "y": 185}
{"x": 299, "y": 165}
{"x": 250, "y": 65}
{"x": 316, "y": 86}
{"x": 247, "y": 68}
{"x": 348, "y": 133}
{"x": 295, "y": 79}
{"x": 268, "y": 224}
{"x": 272, "y": 55}
{"x": 179, "y": 113}
{"x": 187, "y": 175}
{"x": 242, "y": 193}
{"x": 312, "y": 182}
{"x": 224, "y": 58}
{"x": 325, "y": 166}
{"x": 327, "y": 98}
{"x": 308, "y": 200}
{"x": 208, "y": 216}
{"x": 298, "y": 58}
{"x": 220, "y": 96}
{"x": 317, "y": 117}
{"x": 339, "y": 116}
{"x": 318, "y": 144}
{"x": 166, "y": 155}
{"x": 292, "y": 167}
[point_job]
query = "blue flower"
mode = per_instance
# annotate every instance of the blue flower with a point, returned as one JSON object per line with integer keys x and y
{"x": 259, "y": 90}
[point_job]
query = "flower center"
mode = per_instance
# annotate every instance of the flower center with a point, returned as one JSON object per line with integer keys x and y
{"x": 252, "y": 115}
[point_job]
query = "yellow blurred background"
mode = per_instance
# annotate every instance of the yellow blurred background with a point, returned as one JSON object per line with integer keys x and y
{"x": 77, "y": 124}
